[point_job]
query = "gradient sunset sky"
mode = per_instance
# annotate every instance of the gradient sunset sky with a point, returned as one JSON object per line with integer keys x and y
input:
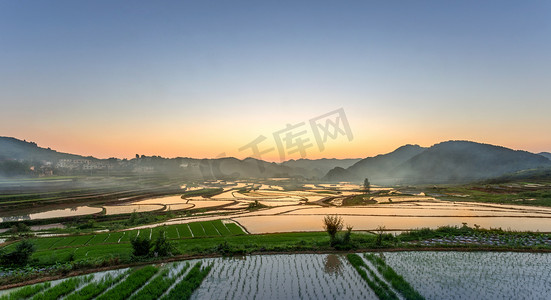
{"x": 201, "y": 78}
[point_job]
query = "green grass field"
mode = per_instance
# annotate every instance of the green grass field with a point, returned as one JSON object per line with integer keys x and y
{"x": 113, "y": 244}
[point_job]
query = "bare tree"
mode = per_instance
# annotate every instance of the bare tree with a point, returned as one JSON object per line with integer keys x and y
{"x": 332, "y": 224}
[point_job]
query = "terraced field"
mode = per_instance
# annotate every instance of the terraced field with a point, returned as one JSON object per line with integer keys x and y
{"x": 118, "y": 243}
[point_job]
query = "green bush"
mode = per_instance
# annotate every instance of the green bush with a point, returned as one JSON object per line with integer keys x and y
{"x": 141, "y": 246}
{"x": 19, "y": 228}
{"x": 162, "y": 246}
{"x": 19, "y": 256}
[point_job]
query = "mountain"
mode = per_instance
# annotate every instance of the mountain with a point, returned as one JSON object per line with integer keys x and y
{"x": 546, "y": 154}
{"x": 340, "y": 174}
{"x": 318, "y": 167}
{"x": 17, "y": 156}
{"x": 380, "y": 166}
{"x": 14, "y": 149}
{"x": 375, "y": 168}
{"x": 464, "y": 161}
{"x": 532, "y": 175}
{"x": 446, "y": 162}
{"x": 230, "y": 167}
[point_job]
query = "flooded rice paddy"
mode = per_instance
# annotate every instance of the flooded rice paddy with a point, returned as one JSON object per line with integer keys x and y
{"x": 52, "y": 213}
{"x": 293, "y": 211}
{"x": 435, "y": 275}
{"x": 393, "y": 216}
{"x": 475, "y": 275}
{"x": 299, "y": 276}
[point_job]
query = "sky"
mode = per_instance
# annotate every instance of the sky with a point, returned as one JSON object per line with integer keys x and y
{"x": 206, "y": 78}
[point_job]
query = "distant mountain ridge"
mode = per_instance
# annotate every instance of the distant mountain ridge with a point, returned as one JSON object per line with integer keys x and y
{"x": 446, "y": 162}
{"x": 318, "y": 167}
{"x": 464, "y": 161}
{"x": 227, "y": 167}
{"x": 15, "y": 149}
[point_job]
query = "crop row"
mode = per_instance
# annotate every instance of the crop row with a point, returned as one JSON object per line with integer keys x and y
{"x": 381, "y": 289}
{"x": 159, "y": 285}
{"x": 145, "y": 283}
{"x": 26, "y": 292}
{"x": 96, "y": 288}
{"x": 396, "y": 281}
{"x": 480, "y": 275}
{"x": 63, "y": 288}
{"x": 296, "y": 276}
{"x": 195, "y": 229}
{"x": 134, "y": 281}
{"x": 185, "y": 288}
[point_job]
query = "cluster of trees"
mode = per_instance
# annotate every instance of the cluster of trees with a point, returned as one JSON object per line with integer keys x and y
{"x": 145, "y": 247}
{"x": 20, "y": 256}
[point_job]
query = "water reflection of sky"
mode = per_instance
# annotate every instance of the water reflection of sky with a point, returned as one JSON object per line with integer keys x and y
{"x": 54, "y": 213}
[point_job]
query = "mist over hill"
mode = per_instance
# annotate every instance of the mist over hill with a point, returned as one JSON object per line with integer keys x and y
{"x": 23, "y": 158}
{"x": 378, "y": 167}
{"x": 546, "y": 154}
{"x": 462, "y": 161}
{"x": 318, "y": 167}
{"x": 446, "y": 162}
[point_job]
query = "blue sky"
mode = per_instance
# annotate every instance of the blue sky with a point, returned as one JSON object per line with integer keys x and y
{"x": 195, "y": 78}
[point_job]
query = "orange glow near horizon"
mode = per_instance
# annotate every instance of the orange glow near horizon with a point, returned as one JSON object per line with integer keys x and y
{"x": 207, "y": 145}
{"x": 168, "y": 134}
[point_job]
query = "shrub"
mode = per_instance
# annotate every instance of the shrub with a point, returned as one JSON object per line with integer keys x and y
{"x": 87, "y": 225}
{"x": 19, "y": 256}
{"x": 347, "y": 234}
{"x": 19, "y": 227}
{"x": 141, "y": 246}
{"x": 332, "y": 224}
{"x": 256, "y": 205}
{"x": 162, "y": 246}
